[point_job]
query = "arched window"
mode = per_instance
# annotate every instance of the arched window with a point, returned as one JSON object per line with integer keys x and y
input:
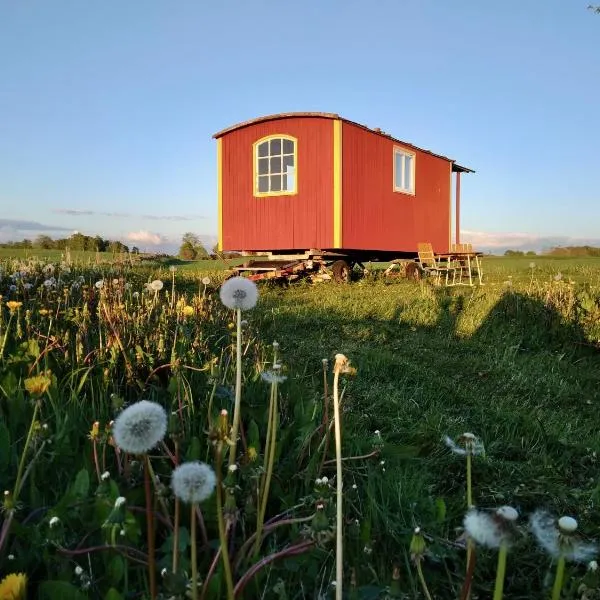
{"x": 275, "y": 166}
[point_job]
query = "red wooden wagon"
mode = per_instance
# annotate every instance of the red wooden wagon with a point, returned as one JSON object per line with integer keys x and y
{"x": 315, "y": 190}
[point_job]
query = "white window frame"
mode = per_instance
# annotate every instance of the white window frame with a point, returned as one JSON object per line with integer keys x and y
{"x": 403, "y": 188}
{"x": 285, "y": 175}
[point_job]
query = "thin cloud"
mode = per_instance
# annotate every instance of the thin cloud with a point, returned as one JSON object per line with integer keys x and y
{"x": 502, "y": 241}
{"x": 146, "y": 237}
{"x": 74, "y": 212}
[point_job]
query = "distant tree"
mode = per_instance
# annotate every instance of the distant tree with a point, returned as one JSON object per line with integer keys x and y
{"x": 135, "y": 250}
{"x": 44, "y": 241}
{"x": 191, "y": 247}
{"x": 514, "y": 253}
{"x": 530, "y": 253}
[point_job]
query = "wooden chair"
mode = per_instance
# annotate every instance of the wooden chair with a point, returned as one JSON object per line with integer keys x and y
{"x": 431, "y": 265}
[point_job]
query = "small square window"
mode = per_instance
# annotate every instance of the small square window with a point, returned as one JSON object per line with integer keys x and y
{"x": 404, "y": 171}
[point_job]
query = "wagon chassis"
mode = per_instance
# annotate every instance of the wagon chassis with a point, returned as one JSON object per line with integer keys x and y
{"x": 325, "y": 265}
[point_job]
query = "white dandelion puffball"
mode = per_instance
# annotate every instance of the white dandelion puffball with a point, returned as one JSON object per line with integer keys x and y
{"x": 484, "y": 529}
{"x": 193, "y": 482}
{"x": 559, "y": 540}
{"x": 206, "y": 280}
{"x": 156, "y": 285}
{"x": 140, "y": 427}
{"x": 239, "y": 292}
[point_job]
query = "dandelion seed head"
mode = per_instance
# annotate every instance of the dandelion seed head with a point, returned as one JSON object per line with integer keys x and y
{"x": 483, "y": 529}
{"x": 193, "y": 482}
{"x": 239, "y": 293}
{"x": 272, "y": 377}
{"x": 508, "y": 513}
{"x": 156, "y": 285}
{"x": 548, "y": 535}
{"x": 567, "y": 524}
{"x": 54, "y": 521}
{"x": 592, "y": 566}
{"x": 140, "y": 427}
{"x": 78, "y": 571}
{"x": 105, "y": 476}
{"x": 205, "y": 280}
{"x": 120, "y": 501}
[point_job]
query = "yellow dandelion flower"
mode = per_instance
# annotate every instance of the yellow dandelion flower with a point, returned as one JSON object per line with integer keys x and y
{"x": 13, "y": 305}
{"x": 13, "y": 587}
{"x": 252, "y": 454}
{"x": 44, "y": 312}
{"x": 39, "y": 384}
{"x": 188, "y": 311}
{"x": 95, "y": 431}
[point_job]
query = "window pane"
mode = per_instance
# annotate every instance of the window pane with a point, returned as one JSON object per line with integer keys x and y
{"x": 263, "y": 166}
{"x": 288, "y": 161}
{"x": 276, "y": 165}
{"x": 408, "y": 173}
{"x": 288, "y": 147}
{"x": 275, "y": 146}
{"x": 398, "y": 170}
{"x": 263, "y": 184}
{"x": 263, "y": 149}
{"x": 275, "y": 183}
{"x": 290, "y": 180}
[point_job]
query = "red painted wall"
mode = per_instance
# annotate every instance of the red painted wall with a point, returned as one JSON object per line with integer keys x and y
{"x": 279, "y": 222}
{"x": 377, "y": 218}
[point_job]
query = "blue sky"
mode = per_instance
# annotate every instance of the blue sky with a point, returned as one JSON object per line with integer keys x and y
{"x": 107, "y": 109}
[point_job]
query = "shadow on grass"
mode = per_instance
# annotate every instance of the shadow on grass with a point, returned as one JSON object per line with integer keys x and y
{"x": 524, "y": 380}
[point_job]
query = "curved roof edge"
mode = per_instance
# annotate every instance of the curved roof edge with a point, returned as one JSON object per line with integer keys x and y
{"x": 323, "y": 115}
{"x": 275, "y": 117}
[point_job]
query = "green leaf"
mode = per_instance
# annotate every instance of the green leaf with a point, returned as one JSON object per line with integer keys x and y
{"x": 193, "y": 452}
{"x": 112, "y": 594}
{"x": 116, "y": 569}
{"x": 440, "y": 510}
{"x": 81, "y": 485}
{"x": 60, "y": 589}
{"x": 4, "y": 447}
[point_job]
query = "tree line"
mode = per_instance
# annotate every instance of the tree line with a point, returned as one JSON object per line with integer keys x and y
{"x": 77, "y": 241}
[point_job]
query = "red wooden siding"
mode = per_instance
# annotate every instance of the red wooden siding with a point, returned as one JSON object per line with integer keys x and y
{"x": 304, "y": 220}
{"x": 375, "y": 217}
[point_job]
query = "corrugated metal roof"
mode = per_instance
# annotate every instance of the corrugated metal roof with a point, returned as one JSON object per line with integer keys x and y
{"x": 455, "y": 167}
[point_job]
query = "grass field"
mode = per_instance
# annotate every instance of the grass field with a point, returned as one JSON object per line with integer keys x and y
{"x": 516, "y": 362}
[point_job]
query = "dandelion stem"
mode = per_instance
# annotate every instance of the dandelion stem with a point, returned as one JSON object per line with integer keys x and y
{"x": 221, "y": 521}
{"x": 264, "y": 492}
{"x": 194, "y": 557}
{"x": 339, "y": 552}
{"x": 238, "y": 389}
{"x": 469, "y": 483}
{"x": 559, "y": 578}
{"x": 500, "y": 572}
{"x": 422, "y": 581}
{"x": 150, "y": 530}
{"x": 176, "y": 535}
{"x": 18, "y": 482}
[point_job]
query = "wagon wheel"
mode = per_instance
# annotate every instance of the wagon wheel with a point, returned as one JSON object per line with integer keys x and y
{"x": 413, "y": 271}
{"x": 341, "y": 271}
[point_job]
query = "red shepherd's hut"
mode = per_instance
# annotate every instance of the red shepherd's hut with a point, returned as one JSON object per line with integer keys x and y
{"x": 299, "y": 181}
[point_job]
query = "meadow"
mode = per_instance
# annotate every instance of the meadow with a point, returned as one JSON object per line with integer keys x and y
{"x": 515, "y": 362}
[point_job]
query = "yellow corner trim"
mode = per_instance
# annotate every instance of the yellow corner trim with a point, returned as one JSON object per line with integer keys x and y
{"x": 220, "y": 193}
{"x": 337, "y": 183}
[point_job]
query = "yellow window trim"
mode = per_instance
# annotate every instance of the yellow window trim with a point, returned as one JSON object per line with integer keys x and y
{"x": 282, "y": 136}
{"x": 337, "y": 183}
{"x": 413, "y": 191}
